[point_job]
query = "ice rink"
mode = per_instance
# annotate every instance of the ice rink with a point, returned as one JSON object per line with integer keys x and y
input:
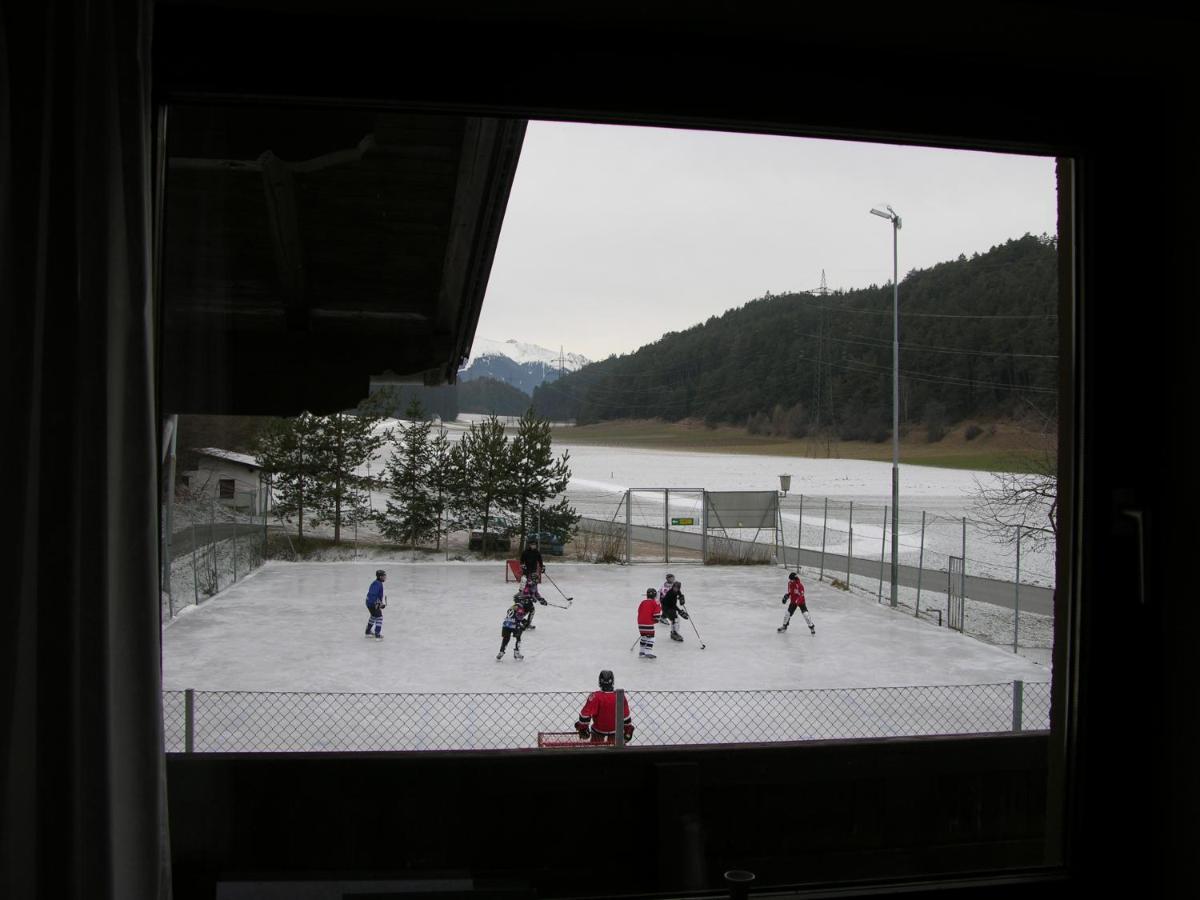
{"x": 299, "y": 627}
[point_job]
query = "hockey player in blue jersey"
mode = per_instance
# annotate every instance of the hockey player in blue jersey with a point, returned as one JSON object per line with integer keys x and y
{"x": 376, "y": 601}
{"x": 515, "y": 622}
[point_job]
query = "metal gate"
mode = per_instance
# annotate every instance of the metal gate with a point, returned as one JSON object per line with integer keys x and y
{"x": 955, "y": 593}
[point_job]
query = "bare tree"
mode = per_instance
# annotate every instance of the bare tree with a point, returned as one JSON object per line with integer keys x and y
{"x": 1029, "y": 498}
{"x": 1026, "y": 499}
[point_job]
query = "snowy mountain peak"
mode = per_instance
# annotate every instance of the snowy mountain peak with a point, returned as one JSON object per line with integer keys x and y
{"x": 523, "y": 353}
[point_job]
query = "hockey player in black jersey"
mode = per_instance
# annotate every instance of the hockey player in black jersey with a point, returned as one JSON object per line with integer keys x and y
{"x": 673, "y": 610}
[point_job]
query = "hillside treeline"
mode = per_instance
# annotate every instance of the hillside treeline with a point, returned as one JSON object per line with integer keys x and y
{"x": 978, "y": 338}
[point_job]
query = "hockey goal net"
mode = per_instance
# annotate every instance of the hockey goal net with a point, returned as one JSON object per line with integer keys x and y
{"x": 565, "y": 740}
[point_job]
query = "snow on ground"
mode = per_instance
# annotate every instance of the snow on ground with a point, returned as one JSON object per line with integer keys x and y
{"x": 299, "y": 627}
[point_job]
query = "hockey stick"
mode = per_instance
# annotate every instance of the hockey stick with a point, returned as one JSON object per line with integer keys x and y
{"x": 558, "y": 605}
{"x": 556, "y": 587}
{"x": 697, "y": 630}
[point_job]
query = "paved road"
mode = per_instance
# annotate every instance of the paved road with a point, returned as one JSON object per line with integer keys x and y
{"x": 865, "y": 572}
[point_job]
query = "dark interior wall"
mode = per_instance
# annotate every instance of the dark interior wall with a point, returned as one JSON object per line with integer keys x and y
{"x": 567, "y": 824}
{"x": 1103, "y": 88}
{"x": 1111, "y": 90}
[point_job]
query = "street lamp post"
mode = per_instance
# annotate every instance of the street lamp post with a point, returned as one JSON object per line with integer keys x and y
{"x": 892, "y": 217}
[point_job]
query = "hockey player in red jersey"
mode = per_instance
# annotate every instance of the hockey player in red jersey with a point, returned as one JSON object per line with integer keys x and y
{"x": 648, "y": 615}
{"x": 795, "y": 600}
{"x": 598, "y": 718}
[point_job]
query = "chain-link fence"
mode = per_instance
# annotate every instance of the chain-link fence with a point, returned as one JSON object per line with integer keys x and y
{"x": 253, "y": 722}
{"x": 1007, "y": 575}
{"x": 214, "y": 542}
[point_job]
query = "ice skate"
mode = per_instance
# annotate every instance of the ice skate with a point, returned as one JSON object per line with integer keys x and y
{"x": 500, "y": 655}
{"x": 517, "y": 654}
{"x": 812, "y": 629}
{"x": 782, "y": 628}
{"x": 645, "y": 655}
{"x": 379, "y": 637}
{"x": 676, "y": 637}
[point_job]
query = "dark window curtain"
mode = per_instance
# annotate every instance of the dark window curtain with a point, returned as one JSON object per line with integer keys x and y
{"x": 82, "y": 785}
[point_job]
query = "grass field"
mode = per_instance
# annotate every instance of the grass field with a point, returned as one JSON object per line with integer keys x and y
{"x": 1001, "y": 447}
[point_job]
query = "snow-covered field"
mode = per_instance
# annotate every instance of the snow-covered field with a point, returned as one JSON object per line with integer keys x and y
{"x": 601, "y": 475}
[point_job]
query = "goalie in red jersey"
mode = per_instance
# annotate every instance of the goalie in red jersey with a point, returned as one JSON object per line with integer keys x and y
{"x": 598, "y": 718}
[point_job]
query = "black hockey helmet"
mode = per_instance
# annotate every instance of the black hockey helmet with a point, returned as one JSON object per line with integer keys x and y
{"x": 606, "y": 679}
{"x": 793, "y": 576}
{"x": 652, "y": 593}
{"x": 670, "y": 577}
{"x": 379, "y": 573}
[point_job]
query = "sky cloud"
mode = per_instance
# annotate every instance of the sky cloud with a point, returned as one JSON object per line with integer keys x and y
{"x": 616, "y": 235}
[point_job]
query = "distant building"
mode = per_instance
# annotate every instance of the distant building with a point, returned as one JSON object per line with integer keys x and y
{"x": 234, "y": 480}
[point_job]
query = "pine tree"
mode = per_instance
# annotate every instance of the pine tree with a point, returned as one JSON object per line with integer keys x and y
{"x": 410, "y": 515}
{"x": 481, "y": 479}
{"x": 292, "y": 452}
{"x": 349, "y": 441}
{"x": 536, "y": 475}
{"x": 440, "y": 482}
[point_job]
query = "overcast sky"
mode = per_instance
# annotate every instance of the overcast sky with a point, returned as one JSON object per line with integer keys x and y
{"x": 616, "y": 235}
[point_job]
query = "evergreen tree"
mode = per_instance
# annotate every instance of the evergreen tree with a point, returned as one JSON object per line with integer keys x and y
{"x": 440, "y": 481}
{"x": 293, "y": 455}
{"x": 481, "y": 479}
{"x": 349, "y": 441}
{"x": 536, "y": 475}
{"x": 410, "y": 515}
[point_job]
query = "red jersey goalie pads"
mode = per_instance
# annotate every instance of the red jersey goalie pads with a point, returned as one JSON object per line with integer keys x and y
{"x": 598, "y": 718}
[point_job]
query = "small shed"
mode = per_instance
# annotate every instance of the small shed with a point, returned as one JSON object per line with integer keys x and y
{"x": 232, "y": 479}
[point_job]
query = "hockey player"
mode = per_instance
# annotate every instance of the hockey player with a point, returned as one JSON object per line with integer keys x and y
{"x": 376, "y": 601}
{"x": 795, "y": 598}
{"x": 532, "y": 568}
{"x": 531, "y": 561}
{"x": 673, "y": 606}
{"x": 668, "y": 585}
{"x": 649, "y": 613}
{"x": 514, "y": 623}
{"x": 528, "y": 596}
{"x": 598, "y": 718}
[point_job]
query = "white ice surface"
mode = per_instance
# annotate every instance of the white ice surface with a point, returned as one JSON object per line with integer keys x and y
{"x": 299, "y": 627}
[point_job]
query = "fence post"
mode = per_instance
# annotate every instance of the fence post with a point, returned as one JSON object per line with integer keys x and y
{"x": 628, "y": 528}
{"x": 799, "y": 538}
{"x": 235, "y": 548}
{"x": 920, "y": 564}
{"x": 619, "y": 719}
{"x": 882, "y": 550}
{"x": 1017, "y": 596}
{"x": 189, "y": 720}
{"x": 1018, "y": 703}
{"x": 850, "y": 545}
{"x": 212, "y": 540}
{"x": 963, "y": 583}
{"x": 667, "y": 525}
{"x": 195, "y": 576}
{"x": 824, "y": 527}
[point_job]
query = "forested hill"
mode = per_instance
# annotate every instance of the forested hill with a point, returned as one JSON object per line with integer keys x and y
{"x": 978, "y": 337}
